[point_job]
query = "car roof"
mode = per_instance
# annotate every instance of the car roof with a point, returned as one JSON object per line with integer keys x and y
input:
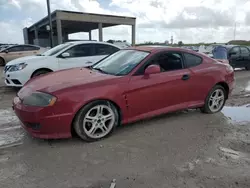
{"x": 160, "y": 48}
{"x": 91, "y": 41}
{"x": 229, "y": 46}
{"x": 23, "y": 45}
{"x": 148, "y": 48}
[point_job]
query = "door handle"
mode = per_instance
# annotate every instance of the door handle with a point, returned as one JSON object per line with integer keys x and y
{"x": 185, "y": 77}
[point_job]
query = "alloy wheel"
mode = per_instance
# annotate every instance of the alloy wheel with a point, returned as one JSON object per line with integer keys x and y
{"x": 98, "y": 121}
{"x": 216, "y": 100}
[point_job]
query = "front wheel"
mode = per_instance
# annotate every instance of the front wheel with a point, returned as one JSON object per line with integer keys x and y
{"x": 39, "y": 73}
{"x": 215, "y": 100}
{"x": 96, "y": 120}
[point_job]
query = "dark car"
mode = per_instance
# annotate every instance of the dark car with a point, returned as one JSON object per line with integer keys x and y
{"x": 238, "y": 56}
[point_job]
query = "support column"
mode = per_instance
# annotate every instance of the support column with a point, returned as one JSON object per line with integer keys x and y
{"x": 26, "y": 36}
{"x": 90, "y": 35}
{"x": 133, "y": 35}
{"x": 59, "y": 31}
{"x": 36, "y": 42}
{"x": 65, "y": 37}
{"x": 100, "y": 31}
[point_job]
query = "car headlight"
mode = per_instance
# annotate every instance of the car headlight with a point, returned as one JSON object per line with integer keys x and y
{"x": 39, "y": 99}
{"x": 17, "y": 67}
{"x": 229, "y": 68}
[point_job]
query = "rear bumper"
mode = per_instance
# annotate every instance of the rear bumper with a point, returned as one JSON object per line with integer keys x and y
{"x": 231, "y": 86}
{"x": 41, "y": 123}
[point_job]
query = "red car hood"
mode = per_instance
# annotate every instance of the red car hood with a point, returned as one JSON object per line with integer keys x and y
{"x": 59, "y": 80}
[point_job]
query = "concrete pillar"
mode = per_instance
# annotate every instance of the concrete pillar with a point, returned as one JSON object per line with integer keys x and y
{"x": 26, "y": 35}
{"x": 59, "y": 31}
{"x": 65, "y": 37}
{"x": 100, "y": 32}
{"x": 36, "y": 41}
{"x": 36, "y": 33}
{"x": 90, "y": 35}
{"x": 133, "y": 35}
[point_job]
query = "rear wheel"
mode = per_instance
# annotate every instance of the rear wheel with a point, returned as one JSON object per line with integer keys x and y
{"x": 40, "y": 72}
{"x": 215, "y": 100}
{"x": 96, "y": 120}
{"x": 2, "y": 62}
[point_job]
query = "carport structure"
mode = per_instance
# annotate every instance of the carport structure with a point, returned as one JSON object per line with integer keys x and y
{"x": 68, "y": 22}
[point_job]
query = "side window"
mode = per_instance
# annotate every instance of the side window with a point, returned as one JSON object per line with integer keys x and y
{"x": 192, "y": 60}
{"x": 235, "y": 50}
{"x": 103, "y": 49}
{"x": 16, "y": 49}
{"x": 81, "y": 50}
{"x": 30, "y": 48}
{"x": 244, "y": 51}
{"x": 168, "y": 61}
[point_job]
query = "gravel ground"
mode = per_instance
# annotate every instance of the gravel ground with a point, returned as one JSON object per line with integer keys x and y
{"x": 184, "y": 149}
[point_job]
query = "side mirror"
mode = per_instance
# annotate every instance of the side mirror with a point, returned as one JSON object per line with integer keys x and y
{"x": 152, "y": 69}
{"x": 6, "y": 51}
{"x": 65, "y": 55}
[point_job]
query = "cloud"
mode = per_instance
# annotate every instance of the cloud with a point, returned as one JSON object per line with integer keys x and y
{"x": 247, "y": 18}
{"x": 3, "y": 3}
{"x": 157, "y": 20}
{"x": 14, "y": 30}
{"x": 13, "y": 34}
{"x": 201, "y": 17}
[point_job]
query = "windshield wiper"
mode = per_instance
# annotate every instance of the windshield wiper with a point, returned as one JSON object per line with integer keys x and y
{"x": 98, "y": 69}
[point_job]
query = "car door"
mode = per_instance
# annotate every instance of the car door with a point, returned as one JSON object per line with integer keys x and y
{"x": 245, "y": 55}
{"x": 235, "y": 58}
{"x": 103, "y": 50}
{"x": 80, "y": 55}
{"x": 13, "y": 53}
{"x": 30, "y": 50}
{"x": 165, "y": 91}
{"x": 200, "y": 81}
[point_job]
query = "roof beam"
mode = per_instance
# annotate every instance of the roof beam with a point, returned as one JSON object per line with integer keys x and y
{"x": 95, "y": 18}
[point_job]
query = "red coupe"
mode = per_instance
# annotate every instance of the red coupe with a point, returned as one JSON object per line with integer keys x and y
{"x": 126, "y": 86}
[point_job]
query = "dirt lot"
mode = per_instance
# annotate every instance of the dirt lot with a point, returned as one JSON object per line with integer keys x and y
{"x": 184, "y": 149}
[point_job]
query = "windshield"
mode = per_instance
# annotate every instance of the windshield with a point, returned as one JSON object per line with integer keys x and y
{"x": 220, "y": 52}
{"x": 56, "y": 49}
{"x": 121, "y": 62}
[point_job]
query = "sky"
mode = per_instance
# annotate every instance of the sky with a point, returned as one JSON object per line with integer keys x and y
{"x": 190, "y": 21}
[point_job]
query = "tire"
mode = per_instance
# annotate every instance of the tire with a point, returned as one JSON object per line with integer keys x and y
{"x": 40, "y": 72}
{"x": 2, "y": 62}
{"x": 85, "y": 121}
{"x": 209, "y": 101}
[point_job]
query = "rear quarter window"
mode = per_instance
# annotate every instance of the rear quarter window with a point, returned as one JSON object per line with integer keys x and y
{"x": 192, "y": 60}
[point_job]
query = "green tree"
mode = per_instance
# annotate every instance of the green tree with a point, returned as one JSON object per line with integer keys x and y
{"x": 180, "y": 43}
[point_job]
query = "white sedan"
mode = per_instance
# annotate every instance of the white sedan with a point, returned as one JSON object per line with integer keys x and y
{"x": 63, "y": 56}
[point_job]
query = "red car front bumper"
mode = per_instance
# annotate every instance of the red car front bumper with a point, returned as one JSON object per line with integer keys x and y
{"x": 42, "y": 122}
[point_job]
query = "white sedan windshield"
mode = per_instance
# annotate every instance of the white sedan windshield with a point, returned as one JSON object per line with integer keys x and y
{"x": 121, "y": 62}
{"x": 56, "y": 49}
